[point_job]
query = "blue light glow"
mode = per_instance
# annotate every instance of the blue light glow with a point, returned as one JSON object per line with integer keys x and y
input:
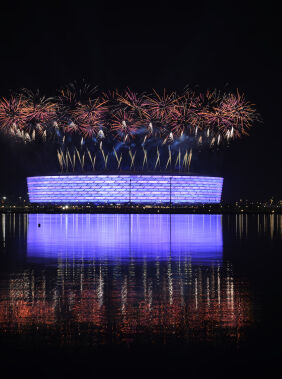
{"x": 122, "y": 236}
{"x": 100, "y": 189}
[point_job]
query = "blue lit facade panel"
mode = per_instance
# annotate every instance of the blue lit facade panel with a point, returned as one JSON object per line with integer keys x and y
{"x": 124, "y": 188}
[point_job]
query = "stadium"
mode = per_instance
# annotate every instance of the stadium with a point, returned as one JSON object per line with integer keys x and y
{"x": 125, "y": 189}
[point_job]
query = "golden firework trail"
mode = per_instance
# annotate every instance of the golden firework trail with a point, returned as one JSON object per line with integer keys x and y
{"x": 92, "y": 159}
{"x": 145, "y": 160}
{"x": 67, "y": 161}
{"x": 158, "y": 158}
{"x": 83, "y": 160}
{"x": 60, "y": 159}
{"x": 132, "y": 157}
{"x": 80, "y": 158}
{"x": 105, "y": 157}
{"x": 189, "y": 158}
{"x": 27, "y": 137}
{"x": 178, "y": 159}
{"x": 185, "y": 159}
{"x": 72, "y": 162}
{"x": 63, "y": 158}
{"x": 118, "y": 158}
{"x": 169, "y": 158}
{"x": 73, "y": 157}
{"x": 106, "y": 160}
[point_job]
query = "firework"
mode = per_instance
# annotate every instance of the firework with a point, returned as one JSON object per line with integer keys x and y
{"x": 161, "y": 106}
{"x": 145, "y": 160}
{"x": 159, "y": 110}
{"x": 105, "y": 156}
{"x": 123, "y": 124}
{"x": 230, "y": 117}
{"x": 81, "y": 158}
{"x": 134, "y": 103}
{"x": 92, "y": 159}
{"x": 169, "y": 158}
{"x": 124, "y": 115}
{"x": 178, "y": 159}
{"x": 60, "y": 160}
{"x": 13, "y": 113}
{"x": 40, "y": 111}
{"x": 89, "y": 117}
{"x": 71, "y": 159}
{"x": 118, "y": 158}
{"x": 68, "y": 101}
{"x": 92, "y": 131}
{"x": 184, "y": 116}
{"x": 132, "y": 158}
{"x": 238, "y": 115}
{"x": 158, "y": 162}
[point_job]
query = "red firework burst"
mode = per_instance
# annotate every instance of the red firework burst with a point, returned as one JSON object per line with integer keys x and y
{"x": 40, "y": 110}
{"x": 13, "y": 112}
{"x": 133, "y": 102}
{"x": 111, "y": 98}
{"x": 67, "y": 105}
{"x": 123, "y": 124}
{"x": 232, "y": 117}
{"x": 69, "y": 100}
{"x": 160, "y": 107}
{"x": 126, "y": 114}
{"x": 184, "y": 118}
{"x": 236, "y": 113}
{"x": 205, "y": 104}
{"x": 89, "y": 116}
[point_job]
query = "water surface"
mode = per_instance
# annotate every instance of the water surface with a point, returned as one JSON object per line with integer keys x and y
{"x": 168, "y": 281}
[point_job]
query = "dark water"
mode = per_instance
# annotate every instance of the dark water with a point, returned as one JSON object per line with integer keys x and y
{"x": 134, "y": 290}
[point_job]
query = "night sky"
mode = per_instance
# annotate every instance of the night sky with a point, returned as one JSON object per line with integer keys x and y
{"x": 236, "y": 45}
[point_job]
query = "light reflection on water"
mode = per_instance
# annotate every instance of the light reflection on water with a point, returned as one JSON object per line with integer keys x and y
{"x": 100, "y": 279}
{"x": 114, "y": 237}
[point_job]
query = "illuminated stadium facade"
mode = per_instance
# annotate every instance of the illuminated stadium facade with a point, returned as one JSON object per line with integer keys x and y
{"x": 125, "y": 188}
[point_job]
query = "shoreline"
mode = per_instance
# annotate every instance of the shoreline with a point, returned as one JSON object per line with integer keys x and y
{"x": 68, "y": 209}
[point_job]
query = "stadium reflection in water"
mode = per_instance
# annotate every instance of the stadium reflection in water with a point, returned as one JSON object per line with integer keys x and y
{"x": 101, "y": 278}
{"x": 114, "y": 237}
